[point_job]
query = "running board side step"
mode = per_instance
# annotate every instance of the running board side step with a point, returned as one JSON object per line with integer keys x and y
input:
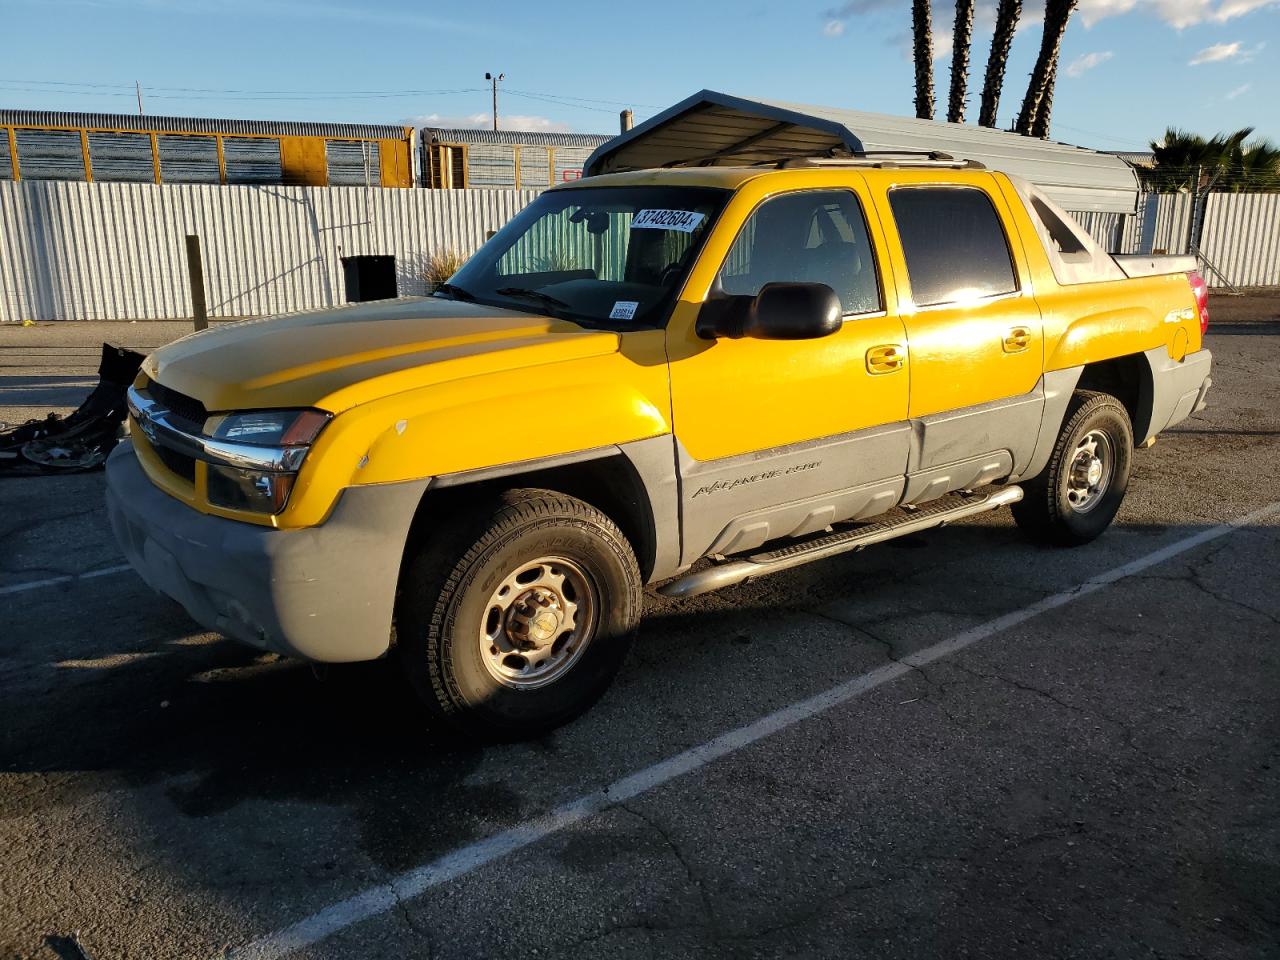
{"x": 945, "y": 510}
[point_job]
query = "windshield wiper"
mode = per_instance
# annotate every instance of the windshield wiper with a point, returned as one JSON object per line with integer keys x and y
{"x": 456, "y": 292}
{"x": 529, "y": 294}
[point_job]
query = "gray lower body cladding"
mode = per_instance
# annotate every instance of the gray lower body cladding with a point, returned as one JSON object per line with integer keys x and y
{"x": 1178, "y": 389}
{"x": 740, "y": 503}
{"x": 324, "y": 593}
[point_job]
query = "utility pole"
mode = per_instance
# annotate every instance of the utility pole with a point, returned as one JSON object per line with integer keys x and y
{"x": 138, "y": 86}
{"x": 494, "y": 80}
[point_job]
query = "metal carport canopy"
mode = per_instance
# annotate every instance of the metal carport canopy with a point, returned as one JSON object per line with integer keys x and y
{"x": 719, "y": 129}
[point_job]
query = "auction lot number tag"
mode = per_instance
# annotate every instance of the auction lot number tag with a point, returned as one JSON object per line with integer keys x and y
{"x": 685, "y": 221}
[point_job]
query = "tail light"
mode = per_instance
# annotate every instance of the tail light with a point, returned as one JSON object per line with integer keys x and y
{"x": 1201, "y": 290}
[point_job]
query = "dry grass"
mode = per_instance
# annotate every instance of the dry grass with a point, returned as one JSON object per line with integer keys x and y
{"x": 442, "y": 265}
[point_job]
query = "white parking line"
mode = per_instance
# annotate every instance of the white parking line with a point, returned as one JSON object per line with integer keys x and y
{"x": 54, "y": 581}
{"x": 412, "y": 883}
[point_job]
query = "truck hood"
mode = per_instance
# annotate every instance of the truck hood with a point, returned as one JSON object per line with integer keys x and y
{"x": 328, "y": 358}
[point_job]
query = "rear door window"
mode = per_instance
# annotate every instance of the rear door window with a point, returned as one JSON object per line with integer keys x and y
{"x": 954, "y": 244}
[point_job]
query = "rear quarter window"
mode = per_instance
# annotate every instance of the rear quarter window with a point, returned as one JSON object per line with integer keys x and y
{"x": 955, "y": 247}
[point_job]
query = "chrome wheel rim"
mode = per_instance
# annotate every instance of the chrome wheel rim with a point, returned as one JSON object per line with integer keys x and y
{"x": 1089, "y": 474}
{"x": 538, "y": 622}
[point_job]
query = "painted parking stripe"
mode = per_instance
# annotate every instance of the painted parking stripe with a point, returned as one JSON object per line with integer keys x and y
{"x": 54, "y": 581}
{"x": 412, "y": 883}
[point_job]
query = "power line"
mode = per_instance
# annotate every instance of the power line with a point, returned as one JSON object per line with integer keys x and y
{"x": 11, "y": 86}
{"x": 95, "y": 88}
{"x": 565, "y": 96}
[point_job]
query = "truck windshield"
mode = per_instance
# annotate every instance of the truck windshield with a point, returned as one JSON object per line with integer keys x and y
{"x": 607, "y": 256}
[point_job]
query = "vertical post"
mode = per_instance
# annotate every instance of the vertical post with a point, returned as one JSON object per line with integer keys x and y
{"x": 625, "y": 120}
{"x": 84, "y": 152}
{"x": 138, "y": 86}
{"x": 1195, "y": 202}
{"x": 493, "y": 78}
{"x": 195, "y": 271}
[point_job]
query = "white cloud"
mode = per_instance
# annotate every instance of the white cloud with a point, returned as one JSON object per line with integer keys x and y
{"x": 1178, "y": 14}
{"x": 1219, "y": 51}
{"x": 484, "y": 121}
{"x": 1238, "y": 91}
{"x": 1235, "y": 52}
{"x": 1086, "y": 62}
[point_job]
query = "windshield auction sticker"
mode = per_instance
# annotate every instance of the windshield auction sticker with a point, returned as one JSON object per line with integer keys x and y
{"x": 685, "y": 221}
{"x": 624, "y": 310}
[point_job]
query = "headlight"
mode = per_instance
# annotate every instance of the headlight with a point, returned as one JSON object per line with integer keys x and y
{"x": 259, "y": 491}
{"x": 268, "y": 428}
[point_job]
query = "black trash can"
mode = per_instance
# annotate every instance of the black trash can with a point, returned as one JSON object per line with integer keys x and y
{"x": 371, "y": 277}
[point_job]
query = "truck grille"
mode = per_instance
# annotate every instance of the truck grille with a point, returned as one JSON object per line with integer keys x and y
{"x": 180, "y": 405}
{"x": 177, "y": 463}
{"x": 193, "y": 414}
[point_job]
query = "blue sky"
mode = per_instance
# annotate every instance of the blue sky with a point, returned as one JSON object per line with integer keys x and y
{"x": 1129, "y": 67}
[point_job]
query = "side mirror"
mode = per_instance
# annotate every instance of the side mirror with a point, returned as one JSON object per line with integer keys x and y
{"x": 780, "y": 311}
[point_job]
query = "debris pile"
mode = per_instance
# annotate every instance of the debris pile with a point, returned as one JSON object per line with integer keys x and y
{"x": 82, "y": 440}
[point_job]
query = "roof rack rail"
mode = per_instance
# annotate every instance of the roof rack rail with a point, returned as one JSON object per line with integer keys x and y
{"x": 882, "y": 159}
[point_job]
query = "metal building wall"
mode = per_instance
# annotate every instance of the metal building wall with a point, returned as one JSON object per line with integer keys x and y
{"x": 107, "y": 251}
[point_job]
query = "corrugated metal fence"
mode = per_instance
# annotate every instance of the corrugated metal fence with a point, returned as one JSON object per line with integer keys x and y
{"x": 115, "y": 250}
{"x": 1242, "y": 237}
{"x": 107, "y": 251}
{"x": 1239, "y": 239}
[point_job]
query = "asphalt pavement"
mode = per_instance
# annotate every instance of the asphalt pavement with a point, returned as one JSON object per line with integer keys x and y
{"x": 956, "y": 745}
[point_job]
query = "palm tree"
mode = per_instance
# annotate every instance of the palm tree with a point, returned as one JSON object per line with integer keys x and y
{"x": 963, "y": 34}
{"x": 1007, "y": 14}
{"x": 1258, "y": 164}
{"x": 1033, "y": 120}
{"x": 1185, "y": 161}
{"x": 922, "y": 35}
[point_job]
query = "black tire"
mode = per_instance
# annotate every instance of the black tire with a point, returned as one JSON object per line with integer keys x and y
{"x": 445, "y": 598}
{"x": 1047, "y": 511}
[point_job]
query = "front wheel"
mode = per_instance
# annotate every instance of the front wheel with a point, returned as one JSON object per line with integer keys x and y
{"x": 1075, "y": 498}
{"x": 516, "y": 619}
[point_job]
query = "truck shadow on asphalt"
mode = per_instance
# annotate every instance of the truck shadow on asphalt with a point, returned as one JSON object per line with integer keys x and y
{"x": 219, "y": 725}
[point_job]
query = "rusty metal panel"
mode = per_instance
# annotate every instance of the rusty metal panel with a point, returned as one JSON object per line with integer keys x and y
{"x": 123, "y": 157}
{"x": 50, "y": 155}
{"x": 353, "y": 163}
{"x": 188, "y": 159}
{"x": 491, "y": 165}
{"x": 6, "y": 157}
{"x": 581, "y": 141}
{"x": 257, "y": 160}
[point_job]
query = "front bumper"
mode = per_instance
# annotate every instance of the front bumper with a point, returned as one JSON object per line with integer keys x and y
{"x": 324, "y": 593}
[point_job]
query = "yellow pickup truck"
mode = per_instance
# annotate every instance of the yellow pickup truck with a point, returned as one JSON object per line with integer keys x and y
{"x": 680, "y": 377}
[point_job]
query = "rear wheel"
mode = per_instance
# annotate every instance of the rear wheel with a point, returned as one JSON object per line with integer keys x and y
{"x": 1077, "y": 495}
{"x": 515, "y": 619}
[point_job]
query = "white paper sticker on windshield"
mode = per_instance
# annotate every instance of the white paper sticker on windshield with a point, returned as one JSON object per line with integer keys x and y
{"x": 686, "y": 221}
{"x": 624, "y": 310}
